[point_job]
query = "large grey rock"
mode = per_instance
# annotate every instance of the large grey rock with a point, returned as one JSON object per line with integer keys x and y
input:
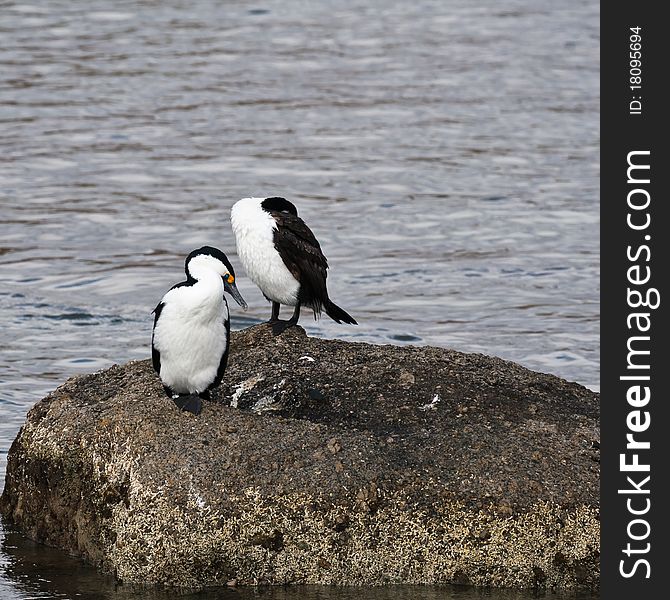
{"x": 337, "y": 462}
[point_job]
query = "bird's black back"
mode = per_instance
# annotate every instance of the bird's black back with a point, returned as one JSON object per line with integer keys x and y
{"x": 302, "y": 255}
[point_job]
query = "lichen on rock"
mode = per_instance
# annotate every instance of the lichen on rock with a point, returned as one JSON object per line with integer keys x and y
{"x": 335, "y": 464}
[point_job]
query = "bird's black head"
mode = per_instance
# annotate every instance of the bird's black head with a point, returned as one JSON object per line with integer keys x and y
{"x": 277, "y": 204}
{"x": 214, "y": 253}
{"x": 212, "y": 258}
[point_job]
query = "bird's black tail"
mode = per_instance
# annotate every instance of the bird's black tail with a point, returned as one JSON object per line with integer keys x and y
{"x": 337, "y": 314}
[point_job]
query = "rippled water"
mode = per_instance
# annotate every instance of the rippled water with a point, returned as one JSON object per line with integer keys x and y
{"x": 444, "y": 152}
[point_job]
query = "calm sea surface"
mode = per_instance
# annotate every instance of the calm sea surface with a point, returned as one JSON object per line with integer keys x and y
{"x": 444, "y": 152}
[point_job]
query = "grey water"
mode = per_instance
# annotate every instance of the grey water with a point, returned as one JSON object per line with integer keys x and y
{"x": 445, "y": 153}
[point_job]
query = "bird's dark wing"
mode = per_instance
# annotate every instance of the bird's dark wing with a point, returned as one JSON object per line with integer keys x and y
{"x": 302, "y": 255}
{"x": 155, "y": 354}
{"x": 224, "y": 358}
{"x": 189, "y": 282}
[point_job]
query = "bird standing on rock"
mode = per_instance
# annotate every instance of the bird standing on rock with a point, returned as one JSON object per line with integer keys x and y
{"x": 283, "y": 258}
{"x": 191, "y": 333}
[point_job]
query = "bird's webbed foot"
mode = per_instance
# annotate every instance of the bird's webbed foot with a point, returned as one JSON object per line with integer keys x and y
{"x": 189, "y": 402}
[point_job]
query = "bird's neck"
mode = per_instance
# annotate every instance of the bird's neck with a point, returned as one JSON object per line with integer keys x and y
{"x": 208, "y": 286}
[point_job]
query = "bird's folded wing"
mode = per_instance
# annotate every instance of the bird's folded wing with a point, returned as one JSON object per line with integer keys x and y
{"x": 301, "y": 252}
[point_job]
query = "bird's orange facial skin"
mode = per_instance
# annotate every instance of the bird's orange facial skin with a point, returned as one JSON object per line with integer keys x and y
{"x": 229, "y": 278}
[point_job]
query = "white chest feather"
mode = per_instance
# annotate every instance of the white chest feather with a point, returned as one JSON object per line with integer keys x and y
{"x": 191, "y": 335}
{"x": 254, "y": 236}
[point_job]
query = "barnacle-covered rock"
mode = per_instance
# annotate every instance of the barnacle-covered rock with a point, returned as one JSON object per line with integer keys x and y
{"x": 319, "y": 462}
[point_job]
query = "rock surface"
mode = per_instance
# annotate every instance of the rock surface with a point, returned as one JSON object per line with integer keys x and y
{"x": 319, "y": 462}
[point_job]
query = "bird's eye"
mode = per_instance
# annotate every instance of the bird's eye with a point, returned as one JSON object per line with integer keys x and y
{"x": 229, "y": 278}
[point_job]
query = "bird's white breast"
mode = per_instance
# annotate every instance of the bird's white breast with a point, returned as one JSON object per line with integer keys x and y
{"x": 191, "y": 335}
{"x": 254, "y": 236}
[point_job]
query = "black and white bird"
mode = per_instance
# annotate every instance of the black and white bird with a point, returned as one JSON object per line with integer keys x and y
{"x": 191, "y": 333}
{"x": 283, "y": 258}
